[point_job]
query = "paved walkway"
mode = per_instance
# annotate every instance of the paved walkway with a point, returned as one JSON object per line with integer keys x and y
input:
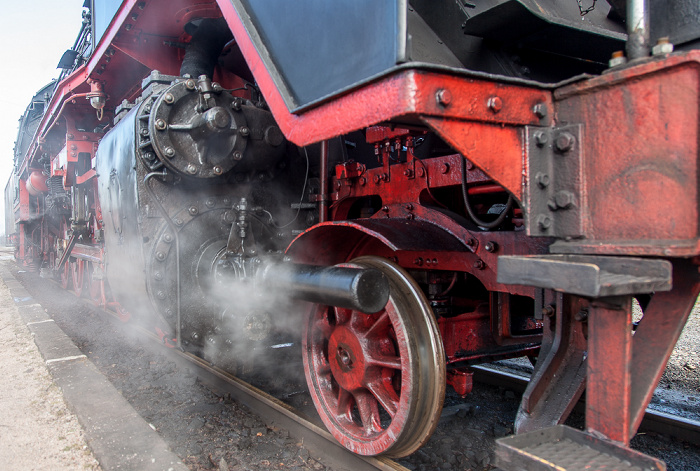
{"x": 57, "y": 411}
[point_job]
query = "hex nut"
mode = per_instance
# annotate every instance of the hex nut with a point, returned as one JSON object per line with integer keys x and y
{"x": 544, "y": 222}
{"x": 541, "y": 138}
{"x": 540, "y": 110}
{"x": 564, "y": 142}
{"x": 495, "y": 104}
{"x": 443, "y": 97}
{"x": 542, "y": 180}
{"x": 663, "y": 46}
{"x": 564, "y": 199}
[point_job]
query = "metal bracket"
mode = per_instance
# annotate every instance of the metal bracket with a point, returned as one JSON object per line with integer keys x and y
{"x": 553, "y": 196}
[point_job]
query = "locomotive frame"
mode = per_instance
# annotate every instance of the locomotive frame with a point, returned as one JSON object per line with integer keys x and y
{"x": 494, "y": 216}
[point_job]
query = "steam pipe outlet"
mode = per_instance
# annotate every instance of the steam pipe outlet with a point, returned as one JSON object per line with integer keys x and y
{"x": 362, "y": 289}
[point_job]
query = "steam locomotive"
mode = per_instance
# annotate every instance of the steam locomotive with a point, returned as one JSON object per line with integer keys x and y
{"x": 435, "y": 184}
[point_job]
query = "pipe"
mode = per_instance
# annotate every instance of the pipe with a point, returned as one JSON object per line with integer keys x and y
{"x": 637, "y": 46}
{"x": 323, "y": 183}
{"x": 361, "y": 289}
{"x": 204, "y": 49}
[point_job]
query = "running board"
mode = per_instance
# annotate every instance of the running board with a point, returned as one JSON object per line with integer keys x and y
{"x": 562, "y": 448}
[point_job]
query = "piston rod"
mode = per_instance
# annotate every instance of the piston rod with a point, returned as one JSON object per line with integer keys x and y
{"x": 362, "y": 289}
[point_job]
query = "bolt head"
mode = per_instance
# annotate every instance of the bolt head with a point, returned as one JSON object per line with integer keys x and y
{"x": 542, "y": 180}
{"x": 244, "y": 131}
{"x": 217, "y": 170}
{"x": 564, "y": 199}
{"x": 445, "y": 168}
{"x": 540, "y": 110}
{"x": 161, "y": 125}
{"x": 236, "y": 104}
{"x": 238, "y": 155}
{"x": 169, "y": 98}
{"x": 663, "y": 46}
{"x": 495, "y": 104}
{"x": 564, "y": 142}
{"x": 190, "y": 84}
{"x": 191, "y": 169}
{"x": 541, "y": 138}
{"x": 491, "y": 247}
{"x": 544, "y": 222}
{"x": 443, "y": 97}
{"x": 169, "y": 152}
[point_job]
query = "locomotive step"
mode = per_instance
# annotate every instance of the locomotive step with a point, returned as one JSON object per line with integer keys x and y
{"x": 562, "y": 448}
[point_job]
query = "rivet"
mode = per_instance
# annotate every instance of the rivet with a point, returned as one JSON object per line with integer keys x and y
{"x": 217, "y": 170}
{"x": 244, "y": 131}
{"x": 479, "y": 265}
{"x": 169, "y": 152}
{"x": 169, "y": 98}
{"x": 210, "y": 203}
{"x": 161, "y": 295}
{"x": 189, "y": 84}
{"x": 444, "y": 168}
{"x": 158, "y": 275}
{"x": 178, "y": 222}
{"x": 193, "y": 210}
{"x": 191, "y": 169}
{"x": 160, "y": 256}
{"x": 168, "y": 238}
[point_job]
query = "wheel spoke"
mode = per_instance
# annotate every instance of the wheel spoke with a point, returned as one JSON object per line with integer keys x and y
{"x": 323, "y": 326}
{"x": 345, "y": 401}
{"x": 380, "y": 327}
{"x": 392, "y": 362}
{"x": 369, "y": 411}
{"x": 384, "y": 392}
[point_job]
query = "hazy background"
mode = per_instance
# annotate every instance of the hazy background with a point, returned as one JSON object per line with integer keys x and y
{"x": 34, "y": 35}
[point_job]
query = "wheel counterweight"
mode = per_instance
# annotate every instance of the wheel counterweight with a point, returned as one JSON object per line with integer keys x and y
{"x": 377, "y": 380}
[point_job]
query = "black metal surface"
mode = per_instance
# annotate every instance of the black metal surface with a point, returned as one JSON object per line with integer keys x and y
{"x": 564, "y": 448}
{"x": 365, "y": 290}
{"x": 591, "y": 276}
{"x": 343, "y": 42}
{"x": 548, "y": 25}
{"x": 121, "y": 202}
{"x": 553, "y": 194}
{"x": 203, "y": 50}
{"x": 679, "y": 20}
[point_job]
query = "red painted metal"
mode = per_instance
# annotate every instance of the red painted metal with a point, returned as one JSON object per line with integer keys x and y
{"x": 609, "y": 376}
{"x": 647, "y": 117}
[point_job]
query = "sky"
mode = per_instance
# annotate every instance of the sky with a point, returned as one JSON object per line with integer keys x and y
{"x": 34, "y": 35}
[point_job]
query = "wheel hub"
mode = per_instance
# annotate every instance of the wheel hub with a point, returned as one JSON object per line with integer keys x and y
{"x": 347, "y": 358}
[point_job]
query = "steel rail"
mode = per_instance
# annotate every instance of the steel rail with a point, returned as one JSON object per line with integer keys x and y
{"x": 681, "y": 428}
{"x": 321, "y": 443}
{"x": 273, "y": 411}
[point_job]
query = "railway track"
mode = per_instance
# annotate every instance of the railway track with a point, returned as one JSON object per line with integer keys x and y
{"x": 319, "y": 442}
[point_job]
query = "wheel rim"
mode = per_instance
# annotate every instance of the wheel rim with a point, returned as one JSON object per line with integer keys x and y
{"x": 96, "y": 288}
{"x": 378, "y": 381}
{"x": 78, "y": 270}
{"x": 66, "y": 276}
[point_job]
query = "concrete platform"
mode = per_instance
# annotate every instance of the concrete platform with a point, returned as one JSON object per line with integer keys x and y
{"x": 119, "y": 438}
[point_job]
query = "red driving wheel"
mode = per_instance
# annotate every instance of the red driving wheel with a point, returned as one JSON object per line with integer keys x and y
{"x": 78, "y": 271}
{"x": 66, "y": 276}
{"x": 377, "y": 380}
